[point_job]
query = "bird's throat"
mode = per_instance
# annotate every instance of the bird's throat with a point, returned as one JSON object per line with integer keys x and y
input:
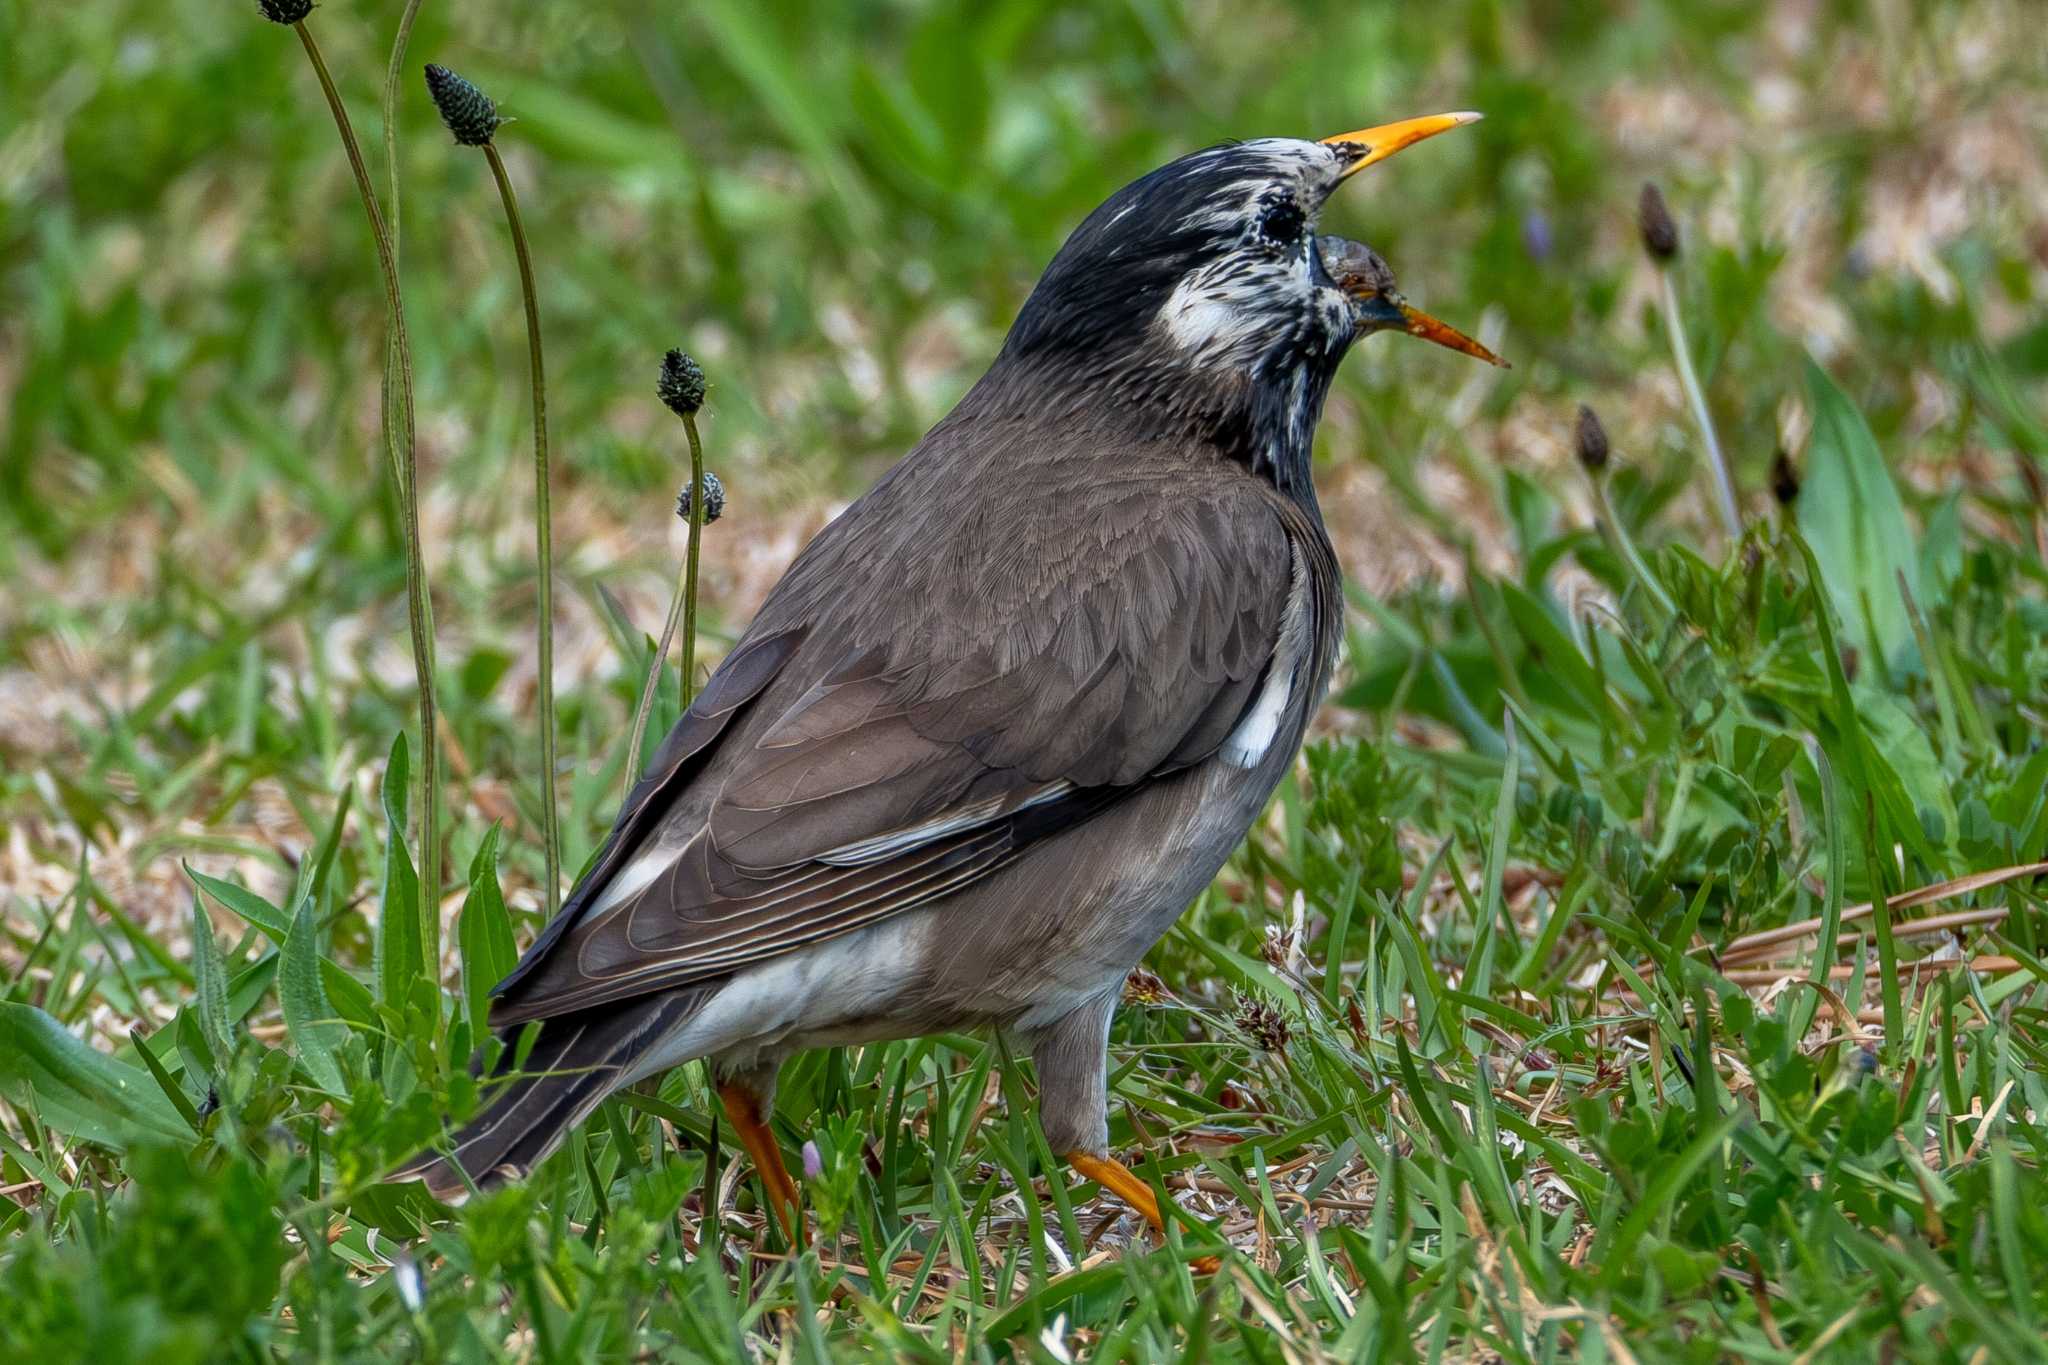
{"x": 1278, "y": 439}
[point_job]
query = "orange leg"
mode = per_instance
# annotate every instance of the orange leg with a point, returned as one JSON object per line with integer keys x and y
{"x": 1120, "y": 1181}
{"x": 752, "y": 1126}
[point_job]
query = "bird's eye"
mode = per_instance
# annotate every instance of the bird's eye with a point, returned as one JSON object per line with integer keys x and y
{"x": 1281, "y": 223}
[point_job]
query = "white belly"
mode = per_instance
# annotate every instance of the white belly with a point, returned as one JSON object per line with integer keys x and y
{"x": 797, "y": 999}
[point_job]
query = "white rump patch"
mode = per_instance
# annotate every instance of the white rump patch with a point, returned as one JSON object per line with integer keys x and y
{"x": 784, "y": 1003}
{"x": 1254, "y": 735}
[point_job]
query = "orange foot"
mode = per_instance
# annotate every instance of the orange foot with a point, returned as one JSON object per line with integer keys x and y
{"x": 744, "y": 1109}
{"x": 1119, "y": 1180}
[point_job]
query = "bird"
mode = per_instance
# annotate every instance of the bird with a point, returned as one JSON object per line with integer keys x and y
{"x": 1004, "y": 717}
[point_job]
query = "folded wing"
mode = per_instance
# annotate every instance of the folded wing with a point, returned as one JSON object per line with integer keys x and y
{"x": 841, "y": 773}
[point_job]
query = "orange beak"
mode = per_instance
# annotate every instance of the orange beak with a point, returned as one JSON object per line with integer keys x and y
{"x": 1389, "y": 311}
{"x": 1421, "y": 324}
{"x": 1369, "y": 145}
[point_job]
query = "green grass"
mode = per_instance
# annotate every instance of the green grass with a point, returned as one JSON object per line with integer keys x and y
{"x": 1551, "y": 1070}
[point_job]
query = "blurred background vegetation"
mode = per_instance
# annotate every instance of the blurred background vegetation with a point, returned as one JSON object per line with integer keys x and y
{"x": 837, "y": 207}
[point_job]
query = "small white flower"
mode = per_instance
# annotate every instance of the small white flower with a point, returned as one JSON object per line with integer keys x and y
{"x": 1296, "y": 932}
{"x": 405, "y": 1274}
{"x": 1054, "y": 1340}
{"x": 1283, "y": 946}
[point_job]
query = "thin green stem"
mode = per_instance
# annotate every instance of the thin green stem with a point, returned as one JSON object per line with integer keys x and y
{"x": 399, "y": 447}
{"x": 430, "y": 910}
{"x": 1724, "y": 486}
{"x": 1618, "y": 536}
{"x": 386, "y": 387}
{"x": 690, "y": 571}
{"x": 543, "y": 532}
{"x": 654, "y": 667}
{"x": 399, "y": 43}
{"x": 682, "y": 606}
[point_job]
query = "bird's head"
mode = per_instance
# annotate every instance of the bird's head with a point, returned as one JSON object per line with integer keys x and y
{"x": 1200, "y": 294}
{"x": 1367, "y": 283}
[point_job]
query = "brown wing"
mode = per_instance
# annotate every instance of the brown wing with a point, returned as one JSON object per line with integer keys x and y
{"x": 1002, "y": 692}
{"x": 741, "y": 678}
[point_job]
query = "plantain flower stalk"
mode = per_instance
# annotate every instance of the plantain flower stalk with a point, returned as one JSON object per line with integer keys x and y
{"x": 473, "y": 118}
{"x": 1589, "y": 437}
{"x": 681, "y": 388}
{"x": 401, "y": 452}
{"x": 1660, "y": 243}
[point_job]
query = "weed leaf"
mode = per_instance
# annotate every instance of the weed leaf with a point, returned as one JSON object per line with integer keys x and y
{"x": 245, "y": 903}
{"x": 210, "y": 976}
{"x": 484, "y": 932}
{"x": 308, "y": 1016}
{"x": 78, "y": 1089}
{"x": 165, "y": 1082}
{"x": 400, "y": 957}
{"x": 1849, "y": 512}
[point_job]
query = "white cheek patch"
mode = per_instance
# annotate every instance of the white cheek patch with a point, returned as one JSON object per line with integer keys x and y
{"x": 1229, "y": 309}
{"x": 1202, "y": 316}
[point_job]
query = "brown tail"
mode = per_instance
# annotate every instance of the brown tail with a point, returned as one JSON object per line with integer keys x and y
{"x": 577, "y": 1060}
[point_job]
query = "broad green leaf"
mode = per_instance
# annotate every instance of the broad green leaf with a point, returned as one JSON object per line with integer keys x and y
{"x": 351, "y": 998}
{"x": 400, "y": 951}
{"x": 250, "y": 985}
{"x": 1556, "y": 652}
{"x": 1894, "y": 772}
{"x": 188, "y": 1040}
{"x": 1901, "y": 743}
{"x": 1850, "y": 513}
{"x": 484, "y": 932}
{"x": 308, "y": 1016}
{"x": 166, "y": 1084}
{"x": 210, "y": 975}
{"x": 78, "y": 1089}
{"x": 245, "y": 903}
{"x": 1941, "y": 550}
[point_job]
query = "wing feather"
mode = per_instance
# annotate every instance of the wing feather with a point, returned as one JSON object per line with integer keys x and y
{"x": 915, "y": 718}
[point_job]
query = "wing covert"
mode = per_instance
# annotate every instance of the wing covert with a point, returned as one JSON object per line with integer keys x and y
{"x": 862, "y": 777}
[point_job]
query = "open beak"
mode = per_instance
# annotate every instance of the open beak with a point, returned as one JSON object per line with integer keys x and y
{"x": 1377, "y": 144}
{"x": 1389, "y": 311}
{"x": 1384, "y": 309}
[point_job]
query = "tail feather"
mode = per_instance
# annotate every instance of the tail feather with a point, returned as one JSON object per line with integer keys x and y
{"x": 577, "y": 1060}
